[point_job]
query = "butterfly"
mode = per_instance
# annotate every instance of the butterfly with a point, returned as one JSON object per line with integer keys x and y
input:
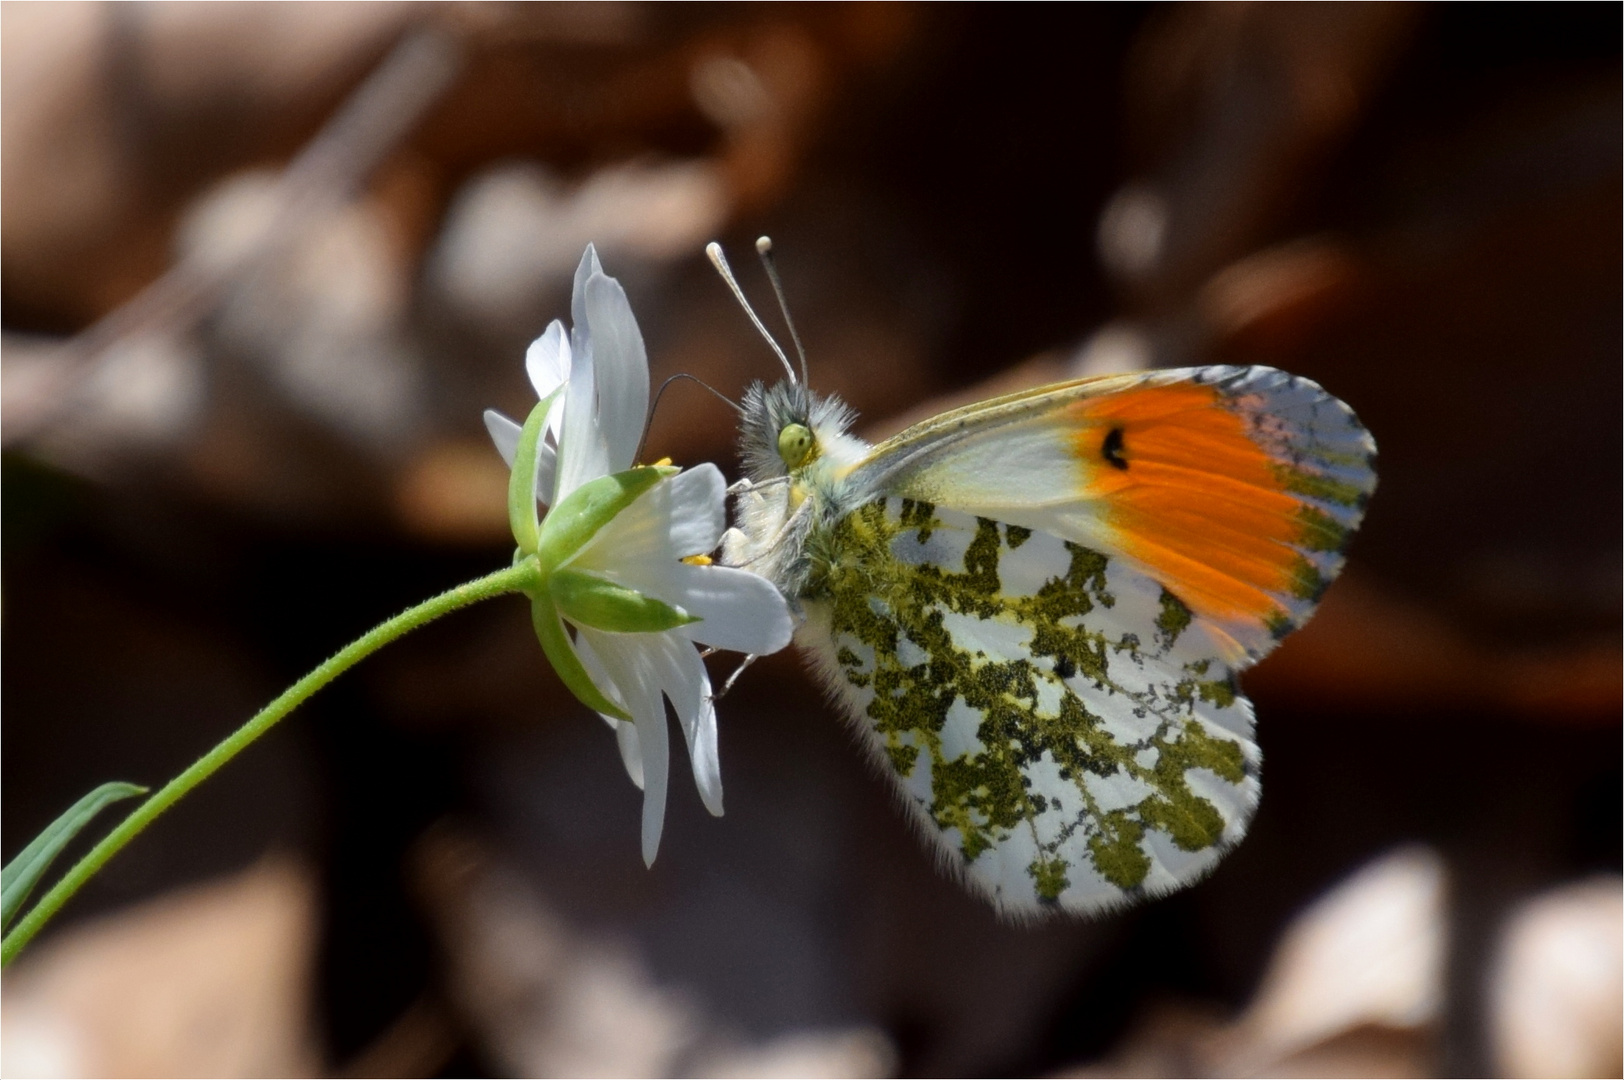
{"x": 1033, "y": 609}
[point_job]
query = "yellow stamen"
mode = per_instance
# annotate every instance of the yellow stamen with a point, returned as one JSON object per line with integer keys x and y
{"x": 697, "y": 560}
{"x": 662, "y": 461}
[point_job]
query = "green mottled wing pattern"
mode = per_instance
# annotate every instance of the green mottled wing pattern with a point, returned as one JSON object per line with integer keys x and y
{"x": 1055, "y": 718}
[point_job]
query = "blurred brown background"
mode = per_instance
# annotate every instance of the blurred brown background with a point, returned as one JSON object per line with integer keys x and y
{"x": 264, "y": 264}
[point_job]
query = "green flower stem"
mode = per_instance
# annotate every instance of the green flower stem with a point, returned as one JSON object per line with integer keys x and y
{"x": 522, "y": 577}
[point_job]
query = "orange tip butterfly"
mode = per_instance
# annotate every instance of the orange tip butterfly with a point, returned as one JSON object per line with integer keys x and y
{"x": 1033, "y": 609}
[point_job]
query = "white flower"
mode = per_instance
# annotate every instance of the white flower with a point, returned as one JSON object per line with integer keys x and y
{"x": 638, "y": 591}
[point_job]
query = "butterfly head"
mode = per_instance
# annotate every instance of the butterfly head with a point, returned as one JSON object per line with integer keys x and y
{"x": 788, "y": 431}
{"x": 796, "y": 445}
{"x": 797, "y": 454}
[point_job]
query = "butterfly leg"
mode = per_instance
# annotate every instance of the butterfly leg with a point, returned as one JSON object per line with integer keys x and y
{"x": 749, "y": 659}
{"x": 746, "y": 485}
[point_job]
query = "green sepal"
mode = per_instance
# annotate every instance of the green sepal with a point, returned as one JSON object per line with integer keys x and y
{"x": 23, "y": 872}
{"x": 560, "y": 652}
{"x": 589, "y": 600}
{"x": 579, "y": 515}
{"x": 522, "y": 515}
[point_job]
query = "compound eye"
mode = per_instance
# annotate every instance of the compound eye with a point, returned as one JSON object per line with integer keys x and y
{"x": 795, "y": 444}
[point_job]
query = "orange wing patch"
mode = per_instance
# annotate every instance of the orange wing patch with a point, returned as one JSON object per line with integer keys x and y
{"x": 1193, "y": 497}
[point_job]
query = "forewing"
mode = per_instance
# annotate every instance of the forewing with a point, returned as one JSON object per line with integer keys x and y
{"x": 1236, "y": 488}
{"x": 1057, "y": 720}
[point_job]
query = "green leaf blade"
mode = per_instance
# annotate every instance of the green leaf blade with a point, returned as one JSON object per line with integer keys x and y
{"x": 21, "y": 874}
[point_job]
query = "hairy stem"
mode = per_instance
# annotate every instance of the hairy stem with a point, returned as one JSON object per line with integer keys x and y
{"x": 518, "y": 578}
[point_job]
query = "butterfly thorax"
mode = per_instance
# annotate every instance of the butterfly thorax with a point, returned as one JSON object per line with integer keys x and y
{"x": 797, "y": 455}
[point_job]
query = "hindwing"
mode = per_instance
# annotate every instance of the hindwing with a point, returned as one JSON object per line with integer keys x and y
{"x": 1059, "y": 722}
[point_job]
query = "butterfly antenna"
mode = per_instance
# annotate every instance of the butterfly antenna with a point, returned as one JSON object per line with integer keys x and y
{"x": 719, "y": 260}
{"x": 648, "y": 424}
{"x": 764, "y": 248}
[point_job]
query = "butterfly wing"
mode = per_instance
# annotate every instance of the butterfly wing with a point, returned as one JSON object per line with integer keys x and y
{"x": 1058, "y": 722}
{"x": 1037, "y": 609}
{"x": 1236, "y": 488}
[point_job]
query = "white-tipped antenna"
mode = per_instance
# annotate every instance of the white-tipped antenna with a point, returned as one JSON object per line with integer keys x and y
{"x": 764, "y": 248}
{"x": 718, "y": 260}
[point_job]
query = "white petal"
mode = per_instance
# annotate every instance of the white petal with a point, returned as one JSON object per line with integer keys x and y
{"x": 740, "y": 611}
{"x": 680, "y": 674}
{"x": 546, "y": 470}
{"x": 584, "y": 270}
{"x": 629, "y": 662}
{"x": 680, "y": 516}
{"x": 621, "y": 366}
{"x": 547, "y": 362}
{"x": 698, "y": 513}
{"x": 685, "y": 681}
{"x": 631, "y": 750}
{"x": 656, "y": 741}
{"x": 625, "y": 733}
{"x": 505, "y": 434}
{"x": 585, "y": 458}
{"x": 581, "y": 451}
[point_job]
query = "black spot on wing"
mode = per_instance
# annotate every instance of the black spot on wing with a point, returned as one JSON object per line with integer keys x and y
{"x": 1111, "y": 450}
